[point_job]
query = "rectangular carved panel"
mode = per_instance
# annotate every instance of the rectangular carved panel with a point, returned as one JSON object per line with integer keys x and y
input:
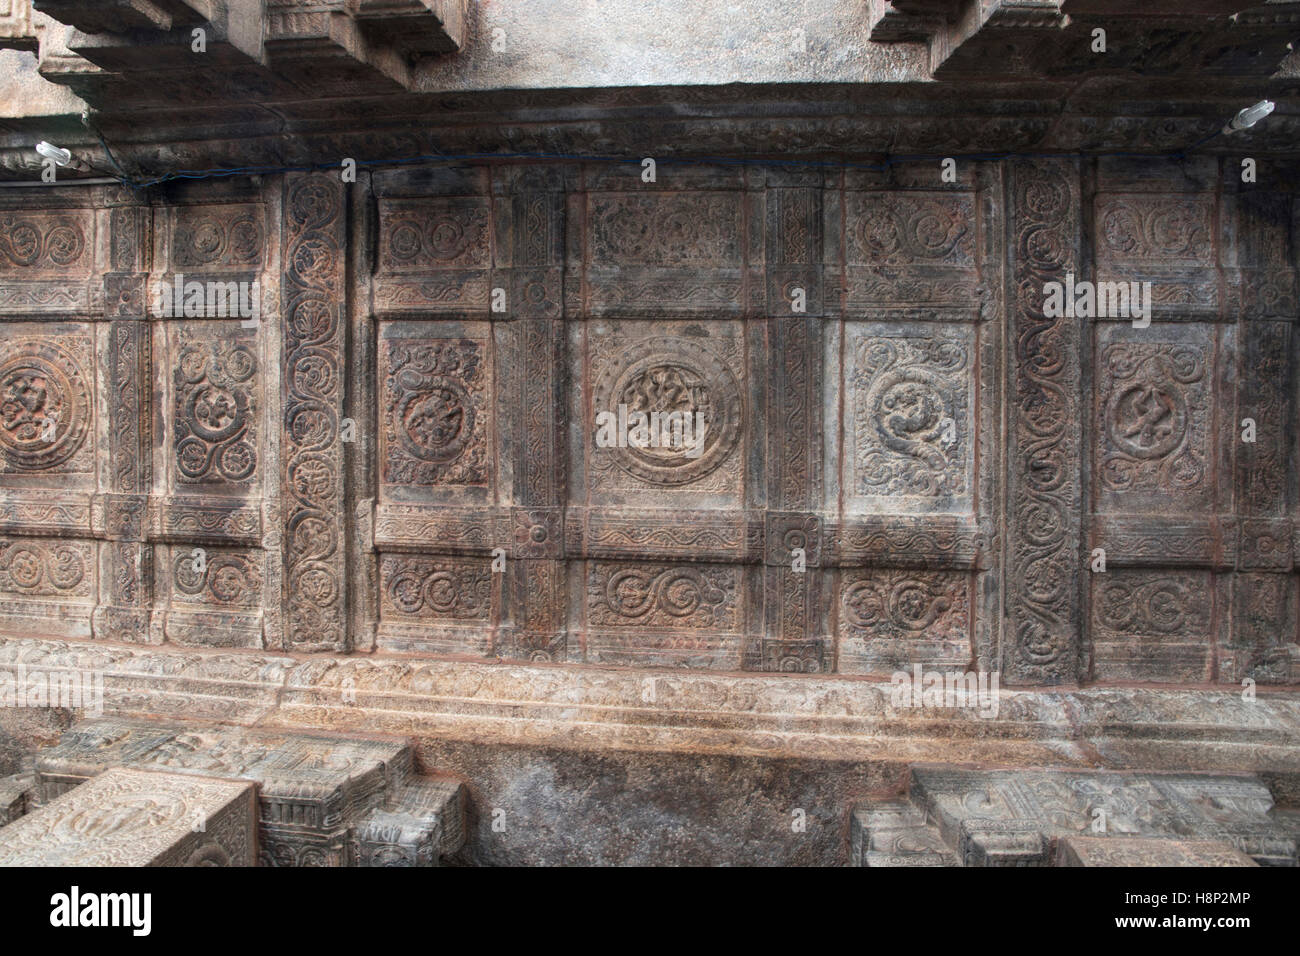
{"x": 890, "y": 620}
{"x": 1153, "y": 625}
{"x": 436, "y": 408}
{"x": 313, "y": 375}
{"x": 1041, "y": 640}
{"x": 909, "y": 428}
{"x": 664, "y": 614}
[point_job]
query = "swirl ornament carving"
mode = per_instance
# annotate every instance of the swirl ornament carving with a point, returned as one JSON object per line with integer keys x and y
{"x": 45, "y": 405}
{"x": 437, "y": 589}
{"x": 208, "y": 239}
{"x": 891, "y": 618}
{"x": 29, "y": 566}
{"x": 1146, "y": 229}
{"x": 661, "y": 596}
{"x": 896, "y": 229}
{"x": 226, "y": 579}
{"x": 42, "y": 243}
{"x": 417, "y": 235}
{"x": 1146, "y": 604}
{"x": 216, "y": 435}
{"x": 701, "y": 229}
{"x": 1044, "y": 460}
{"x": 902, "y": 603}
{"x": 313, "y": 350}
{"x": 912, "y": 415}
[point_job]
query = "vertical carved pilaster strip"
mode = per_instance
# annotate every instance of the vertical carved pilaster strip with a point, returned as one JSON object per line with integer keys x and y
{"x": 528, "y": 260}
{"x": 128, "y": 594}
{"x": 1263, "y": 645}
{"x": 1044, "y": 481}
{"x": 794, "y": 640}
{"x": 537, "y": 531}
{"x": 315, "y": 512}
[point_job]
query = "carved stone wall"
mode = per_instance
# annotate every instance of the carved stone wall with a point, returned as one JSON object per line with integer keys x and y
{"x": 904, "y": 458}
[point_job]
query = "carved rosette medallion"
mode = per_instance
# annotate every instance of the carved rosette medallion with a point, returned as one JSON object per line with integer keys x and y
{"x": 668, "y": 375}
{"x": 1154, "y": 418}
{"x": 215, "y": 435}
{"x": 435, "y": 427}
{"x": 44, "y": 405}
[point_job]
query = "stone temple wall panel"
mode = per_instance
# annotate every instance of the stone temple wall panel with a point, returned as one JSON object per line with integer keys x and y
{"x": 425, "y": 440}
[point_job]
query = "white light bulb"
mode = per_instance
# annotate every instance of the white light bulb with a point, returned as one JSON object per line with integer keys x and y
{"x": 61, "y": 157}
{"x": 1249, "y": 116}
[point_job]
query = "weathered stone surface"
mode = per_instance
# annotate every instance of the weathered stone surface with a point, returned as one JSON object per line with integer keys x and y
{"x": 129, "y": 817}
{"x": 384, "y": 505}
{"x": 1137, "y": 851}
{"x": 17, "y": 795}
{"x": 323, "y": 800}
{"x": 967, "y": 817}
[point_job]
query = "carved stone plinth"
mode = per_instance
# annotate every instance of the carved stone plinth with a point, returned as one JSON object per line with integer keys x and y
{"x": 324, "y": 800}
{"x": 131, "y": 817}
{"x": 958, "y": 817}
{"x": 1141, "y": 851}
{"x": 17, "y": 794}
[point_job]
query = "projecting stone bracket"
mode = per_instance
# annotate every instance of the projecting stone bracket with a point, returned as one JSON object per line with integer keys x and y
{"x": 1058, "y": 37}
{"x": 321, "y": 800}
{"x": 190, "y": 52}
{"x": 958, "y": 817}
{"x": 122, "y": 16}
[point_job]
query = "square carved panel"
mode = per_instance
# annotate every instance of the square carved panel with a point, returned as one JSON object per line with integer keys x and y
{"x": 216, "y": 405}
{"x": 47, "y": 586}
{"x": 437, "y": 603}
{"x": 1154, "y": 418}
{"x": 892, "y": 619}
{"x": 690, "y": 369}
{"x": 1152, "y": 625}
{"x": 909, "y": 416}
{"x": 47, "y": 406}
{"x": 435, "y": 406}
{"x": 664, "y": 614}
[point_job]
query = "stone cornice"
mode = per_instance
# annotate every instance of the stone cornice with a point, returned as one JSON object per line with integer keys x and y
{"x": 590, "y": 707}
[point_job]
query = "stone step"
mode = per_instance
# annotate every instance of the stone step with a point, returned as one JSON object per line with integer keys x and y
{"x": 130, "y": 817}
{"x": 895, "y": 833}
{"x": 1071, "y": 817}
{"x": 323, "y": 800}
{"x": 17, "y": 795}
{"x": 1139, "y": 851}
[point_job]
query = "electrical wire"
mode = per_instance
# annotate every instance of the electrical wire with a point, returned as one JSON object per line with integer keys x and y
{"x": 430, "y": 159}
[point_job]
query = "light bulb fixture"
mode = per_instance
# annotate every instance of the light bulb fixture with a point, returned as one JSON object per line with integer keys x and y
{"x": 61, "y": 157}
{"x": 1249, "y": 116}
